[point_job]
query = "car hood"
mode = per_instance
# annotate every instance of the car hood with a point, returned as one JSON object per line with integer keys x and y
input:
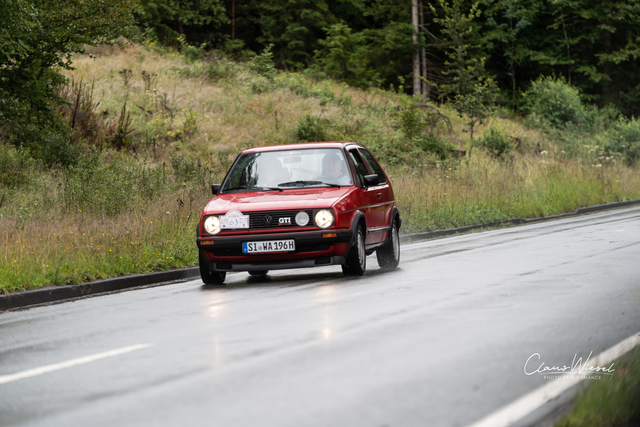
{"x": 308, "y": 198}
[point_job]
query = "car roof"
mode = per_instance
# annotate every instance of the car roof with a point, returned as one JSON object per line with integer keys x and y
{"x": 305, "y": 145}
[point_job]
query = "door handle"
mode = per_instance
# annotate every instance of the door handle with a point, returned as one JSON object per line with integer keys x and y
{"x": 379, "y": 195}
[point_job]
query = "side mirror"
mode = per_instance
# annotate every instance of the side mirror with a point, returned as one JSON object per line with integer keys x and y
{"x": 215, "y": 188}
{"x": 371, "y": 180}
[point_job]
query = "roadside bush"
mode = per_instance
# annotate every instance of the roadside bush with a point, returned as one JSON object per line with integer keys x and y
{"x": 189, "y": 52}
{"x": 51, "y": 144}
{"x": 495, "y": 143}
{"x": 212, "y": 66}
{"x": 312, "y": 128}
{"x": 414, "y": 118}
{"x": 16, "y": 166}
{"x": 262, "y": 64}
{"x": 624, "y": 138}
{"x": 556, "y": 101}
{"x": 295, "y": 83}
{"x": 110, "y": 187}
{"x": 220, "y": 69}
{"x": 430, "y": 143}
{"x": 186, "y": 170}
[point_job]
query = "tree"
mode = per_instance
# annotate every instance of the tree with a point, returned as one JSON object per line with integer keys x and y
{"x": 42, "y": 37}
{"x": 514, "y": 18}
{"x": 465, "y": 65}
{"x": 475, "y": 106}
{"x": 197, "y": 20}
{"x": 343, "y": 55}
{"x": 294, "y": 28}
{"x": 368, "y": 58}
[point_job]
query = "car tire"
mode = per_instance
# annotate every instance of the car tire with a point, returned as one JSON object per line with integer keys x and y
{"x": 389, "y": 254}
{"x": 259, "y": 273}
{"x": 210, "y": 277}
{"x": 356, "y": 263}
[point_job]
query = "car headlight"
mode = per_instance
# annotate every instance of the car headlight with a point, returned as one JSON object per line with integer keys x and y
{"x": 324, "y": 218}
{"x": 302, "y": 218}
{"x": 212, "y": 225}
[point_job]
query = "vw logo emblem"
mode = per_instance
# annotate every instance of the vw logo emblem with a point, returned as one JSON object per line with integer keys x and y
{"x": 267, "y": 219}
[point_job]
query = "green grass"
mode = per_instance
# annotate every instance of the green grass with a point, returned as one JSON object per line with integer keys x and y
{"x": 613, "y": 401}
{"x": 68, "y": 258}
{"x": 487, "y": 191}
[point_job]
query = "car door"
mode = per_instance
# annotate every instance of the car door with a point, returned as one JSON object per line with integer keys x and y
{"x": 382, "y": 209}
{"x": 369, "y": 199}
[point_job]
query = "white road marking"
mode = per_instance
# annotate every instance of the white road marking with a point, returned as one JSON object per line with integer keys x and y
{"x": 532, "y": 401}
{"x": 69, "y": 363}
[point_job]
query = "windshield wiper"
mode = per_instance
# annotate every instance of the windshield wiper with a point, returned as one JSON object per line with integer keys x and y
{"x": 303, "y": 183}
{"x": 244, "y": 187}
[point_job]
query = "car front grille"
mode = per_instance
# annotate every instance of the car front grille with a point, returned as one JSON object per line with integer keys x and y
{"x": 276, "y": 219}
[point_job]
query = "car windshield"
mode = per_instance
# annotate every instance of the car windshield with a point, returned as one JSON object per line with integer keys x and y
{"x": 288, "y": 169}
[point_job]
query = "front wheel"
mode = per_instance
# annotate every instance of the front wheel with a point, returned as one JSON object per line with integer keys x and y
{"x": 209, "y": 277}
{"x": 389, "y": 254}
{"x": 357, "y": 259}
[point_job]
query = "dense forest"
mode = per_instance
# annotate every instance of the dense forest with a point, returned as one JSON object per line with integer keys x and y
{"x": 572, "y": 62}
{"x": 593, "y": 45}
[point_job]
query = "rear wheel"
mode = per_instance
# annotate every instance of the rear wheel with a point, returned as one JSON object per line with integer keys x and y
{"x": 209, "y": 277}
{"x": 259, "y": 273}
{"x": 389, "y": 254}
{"x": 357, "y": 259}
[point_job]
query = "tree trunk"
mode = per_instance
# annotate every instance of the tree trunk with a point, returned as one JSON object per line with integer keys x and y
{"x": 425, "y": 70}
{"x": 566, "y": 39}
{"x": 606, "y": 89}
{"x": 233, "y": 19}
{"x": 416, "y": 52}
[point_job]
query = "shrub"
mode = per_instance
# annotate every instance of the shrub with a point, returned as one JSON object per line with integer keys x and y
{"x": 262, "y": 64}
{"x": 430, "y": 143}
{"x": 495, "y": 142}
{"x": 15, "y": 166}
{"x": 187, "y": 170}
{"x": 295, "y": 83}
{"x": 50, "y": 143}
{"x": 311, "y": 128}
{"x": 415, "y": 118}
{"x": 189, "y": 52}
{"x": 624, "y": 138}
{"x": 555, "y": 100}
{"x": 109, "y": 187}
{"x": 220, "y": 69}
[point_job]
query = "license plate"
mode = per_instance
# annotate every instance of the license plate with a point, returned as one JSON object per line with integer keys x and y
{"x": 268, "y": 246}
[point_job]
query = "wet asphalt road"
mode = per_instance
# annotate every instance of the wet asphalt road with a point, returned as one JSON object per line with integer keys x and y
{"x": 442, "y": 341}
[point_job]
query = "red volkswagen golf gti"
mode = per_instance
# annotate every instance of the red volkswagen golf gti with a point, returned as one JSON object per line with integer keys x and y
{"x": 303, "y": 205}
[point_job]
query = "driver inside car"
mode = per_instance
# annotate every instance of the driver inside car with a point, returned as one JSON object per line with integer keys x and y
{"x": 334, "y": 170}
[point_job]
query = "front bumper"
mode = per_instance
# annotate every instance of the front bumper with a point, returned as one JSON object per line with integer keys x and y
{"x": 312, "y": 249}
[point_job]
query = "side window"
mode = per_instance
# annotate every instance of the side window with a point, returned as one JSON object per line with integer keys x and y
{"x": 361, "y": 169}
{"x": 373, "y": 165}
